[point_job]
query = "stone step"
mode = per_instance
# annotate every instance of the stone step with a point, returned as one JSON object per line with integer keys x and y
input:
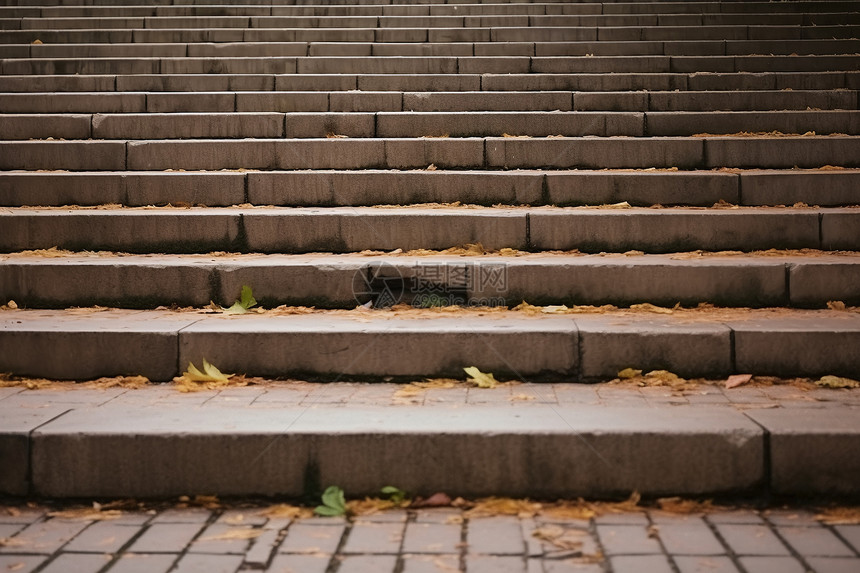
{"x": 288, "y": 439}
{"x": 597, "y": 82}
{"x": 765, "y": 152}
{"x": 430, "y": 64}
{"x": 437, "y": 101}
{"x": 663, "y": 11}
{"x": 325, "y": 188}
{"x": 88, "y": 343}
{"x": 623, "y": 29}
{"x": 353, "y": 229}
{"x": 418, "y": 124}
{"x": 283, "y": 49}
{"x": 60, "y": 280}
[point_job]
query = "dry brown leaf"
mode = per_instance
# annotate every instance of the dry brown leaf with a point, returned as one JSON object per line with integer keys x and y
{"x": 371, "y": 505}
{"x": 839, "y": 515}
{"x": 684, "y": 506}
{"x": 235, "y": 533}
{"x": 562, "y": 538}
{"x": 490, "y": 506}
{"x": 579, "y": 509}
{"x": 648, "y": 307}
{"x": 737, "y": 380}
{"x": 440, "y": 499}
{"x": 831, "y": 304}
{"x": 87, "y": 514}
{"x": 284, "y": 510}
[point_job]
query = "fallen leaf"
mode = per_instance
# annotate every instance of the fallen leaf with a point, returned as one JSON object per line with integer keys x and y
{"x": 629, "y": 373}
{"x": 504, "y": 506}
{"x": 436, "y": 500}
{"x": 839, "y": 516}
{"x": 684, "y": 506}
{"x": 210, "y": 373}
{"x": 86, "y": 514}
{"x": 663, "y": 375}
{"x": 235, "y": 533}
{"x": 371, "y": 505}
{"x": 737, "y": 380}
{"x": 286, "y": 510}
{"x": 837, "y": 382}
{"x": 831, "y": 304}
{"x": 481, "y": 379}
{"x": 560, "y": 537}
{"x": 648, "y": 307}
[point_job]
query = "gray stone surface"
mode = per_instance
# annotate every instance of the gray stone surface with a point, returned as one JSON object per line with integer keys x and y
{"x": 805, "y": 453}
{"x": 15, "y": 428}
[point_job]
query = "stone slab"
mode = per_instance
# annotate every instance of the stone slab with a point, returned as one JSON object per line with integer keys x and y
{"x": 673, "y": 230}
{"x": 84, "y": 102}
{"x": 813, "y": 283}
{"x": 376, "y": 187}
{"x": 71, "y": 155}
{"x": 188, "y": 126}
{"x": 127, "y": 230}
{"x": 798, "y": 345}
{"x": 26, "y": 126}
{"x": 119, "y": 451}
{"x": 302, "y": 344}
{"x": 356, "y": 229}
{"x": 825, "y": 188}
{"x": 76, "y": 346}
{"x": 811, "y": 450}
{"x": 16, "y": 425}
{"x": 133, "y": 189}
{"x": 782, "y": 152}
{"x": 610, "y": 344}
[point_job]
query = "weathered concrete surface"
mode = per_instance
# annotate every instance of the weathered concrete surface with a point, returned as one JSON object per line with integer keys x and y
{"x": 16, "y": 425}
{"x": 538, "y": 450}
{"x": 812, "y": 450}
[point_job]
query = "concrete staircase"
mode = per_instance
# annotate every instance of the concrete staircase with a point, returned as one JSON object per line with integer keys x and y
{"x": 331, "y": 154}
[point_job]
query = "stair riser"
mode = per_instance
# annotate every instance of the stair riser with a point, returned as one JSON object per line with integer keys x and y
{"x": 465, "y": 153}
{"x": 131, "y": 283}
{"x": 348, "y": 230}
{"x": 586, "y": 347}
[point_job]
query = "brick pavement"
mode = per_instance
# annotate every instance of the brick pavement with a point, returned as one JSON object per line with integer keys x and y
{"x": 249, "y": 536}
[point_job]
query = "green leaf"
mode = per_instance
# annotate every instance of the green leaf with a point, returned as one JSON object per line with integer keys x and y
{"x": 482, "y": 379}
{"x": 245, "y": 302}
{"x": 326, "y": 511}
{"x": 396, "y": 495}
{"x": 333, "y": 502}
{"x": 246, "y": 299}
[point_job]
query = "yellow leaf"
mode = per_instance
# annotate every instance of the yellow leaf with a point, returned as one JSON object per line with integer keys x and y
{"x": 628, "y": 373}
{"x": 837, "y": 382}
{"x": 210, "y": 373}
{"x": 482, "y": 379}
{"x": 664, "y": 375}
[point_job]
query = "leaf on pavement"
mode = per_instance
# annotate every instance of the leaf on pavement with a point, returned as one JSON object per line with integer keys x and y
{"x": 737, "y": 380}
{"x": 482, "y": 379}
{"x": 837, "y": 382}
{"x": 209, "y": 374}
{"x": 628, "y": 373}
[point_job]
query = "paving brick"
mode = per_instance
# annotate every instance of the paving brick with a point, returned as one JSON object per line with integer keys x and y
{"x": 102, "y": 537}
{"x": 432, "y": 538}
{"x": 221, "y": 539}
{"x": 370, "y": 537}
{"x": 751, "y": 540}
{"x": 166, "y": 538}
{"x": 21, "y": 563}
{"x": 44, "y": 538}
{"x": 742, "y": 516}
{"x": 833, "y": 564}
{"x": 303, "y": 563}
{"x": 430, "y": 563}
{"x": 692, "y": 537}
{"x": 78, "y": 562}
{"x": 851, "y": 534}
{"x": 495, "y": 564}
{"x": 627, "y": 540}
{"x": 307, "y": 538}
{"x": 814, "y": 541}
{"x": 640, "y": 563}
{"x": 772, "y": 565}
{"x": 192, "y": 563}
{"x": 184, "y": 515}
{"x": 363, "y": 563}
{"x": 262, "y": 548}
{"x": 709, "y": 564}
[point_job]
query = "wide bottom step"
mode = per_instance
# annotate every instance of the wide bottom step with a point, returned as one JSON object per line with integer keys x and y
{"x": 543, "y": 441}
